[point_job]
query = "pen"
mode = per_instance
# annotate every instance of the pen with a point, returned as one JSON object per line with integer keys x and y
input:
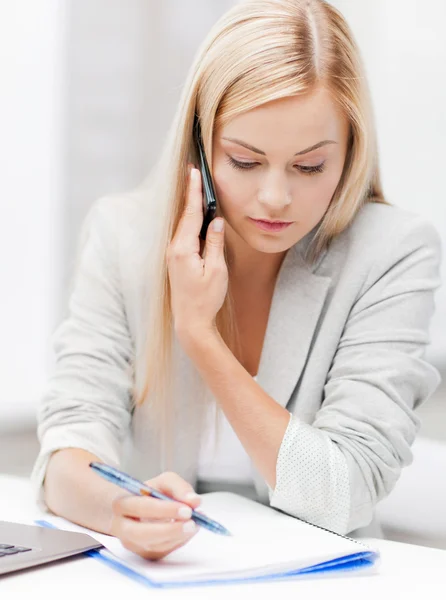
{"x": 141, "y": 489}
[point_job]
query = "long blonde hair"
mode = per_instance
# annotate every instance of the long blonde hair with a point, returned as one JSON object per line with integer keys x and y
{"x": 259, "y": 51}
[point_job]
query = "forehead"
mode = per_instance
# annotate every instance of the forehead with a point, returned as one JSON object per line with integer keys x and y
{"x": 309, "y": 118}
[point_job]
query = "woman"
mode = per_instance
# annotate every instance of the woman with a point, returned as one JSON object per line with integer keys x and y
{"x": 298, "y": 350}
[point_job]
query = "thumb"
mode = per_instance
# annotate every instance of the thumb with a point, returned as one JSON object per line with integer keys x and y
{"x": 215, "y": 241}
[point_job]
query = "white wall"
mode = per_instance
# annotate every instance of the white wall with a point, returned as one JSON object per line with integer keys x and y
{"x": 126, "y": 63}
{"x": 404, "y": 49}
{"x": 31, "y": 52}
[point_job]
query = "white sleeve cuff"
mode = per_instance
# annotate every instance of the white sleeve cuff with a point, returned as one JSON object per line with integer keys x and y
{"x": 312, "y": 479}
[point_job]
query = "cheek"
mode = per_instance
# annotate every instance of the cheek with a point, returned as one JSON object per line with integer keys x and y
{"x": 327, "y": 183}
{"x": 328, "y": 186}
{"x": 231, "y": 188}
{"x": 314, "y": 196}
{"x": 317, "y": 186}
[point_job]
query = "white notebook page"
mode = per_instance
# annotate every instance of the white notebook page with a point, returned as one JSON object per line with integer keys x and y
{"x": 264, "y": 541}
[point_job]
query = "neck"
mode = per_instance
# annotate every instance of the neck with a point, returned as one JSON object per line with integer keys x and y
{"x": 250, "y": 267}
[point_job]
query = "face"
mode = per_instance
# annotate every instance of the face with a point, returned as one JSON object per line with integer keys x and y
{"x": 264, "y": 167}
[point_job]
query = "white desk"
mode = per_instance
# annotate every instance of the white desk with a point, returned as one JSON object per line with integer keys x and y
{"x": 406, "y": 571}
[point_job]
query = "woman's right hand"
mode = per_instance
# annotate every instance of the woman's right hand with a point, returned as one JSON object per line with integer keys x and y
{"x": 154, "y": 528}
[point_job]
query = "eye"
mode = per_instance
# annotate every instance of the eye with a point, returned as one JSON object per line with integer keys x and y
{"x": 240, "y": 165}
{"x": 312, "y": 170}
{"x": 250, "y": 165}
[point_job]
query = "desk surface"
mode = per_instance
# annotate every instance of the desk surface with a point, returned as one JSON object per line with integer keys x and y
{"x": 406, "y": 570}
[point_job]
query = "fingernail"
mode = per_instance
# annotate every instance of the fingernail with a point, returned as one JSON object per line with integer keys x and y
{"x": 185, "y": 512}
{"x": 191, "y": 496}
{"x": 217, "y": 225}
{"x": 189, "y": 527}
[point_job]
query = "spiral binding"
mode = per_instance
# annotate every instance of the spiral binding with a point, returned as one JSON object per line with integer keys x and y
{"x": 345, "y": 537}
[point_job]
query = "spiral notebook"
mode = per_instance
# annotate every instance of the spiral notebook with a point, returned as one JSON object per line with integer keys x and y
{"x": 265, "y": 544}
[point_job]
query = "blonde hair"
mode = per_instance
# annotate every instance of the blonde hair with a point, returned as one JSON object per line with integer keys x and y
{"x": 259, "y": 51}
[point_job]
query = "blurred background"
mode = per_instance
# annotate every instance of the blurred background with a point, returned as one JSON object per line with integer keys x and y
{"x": 88, "y": 89}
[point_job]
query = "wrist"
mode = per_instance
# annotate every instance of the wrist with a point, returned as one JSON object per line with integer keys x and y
{"x": 196, "y": 337}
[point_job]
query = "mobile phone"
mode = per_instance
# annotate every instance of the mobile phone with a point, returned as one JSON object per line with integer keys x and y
{"x": 209, "y": 196}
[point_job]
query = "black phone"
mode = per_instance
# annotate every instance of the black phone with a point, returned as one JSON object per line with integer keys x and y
{"x": 209, "y": 196}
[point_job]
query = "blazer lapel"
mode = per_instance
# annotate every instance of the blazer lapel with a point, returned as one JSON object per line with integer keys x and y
{"x": 297, "y": 302}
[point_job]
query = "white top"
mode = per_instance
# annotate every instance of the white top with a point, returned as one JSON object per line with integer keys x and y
{"x": 223, "y": 457}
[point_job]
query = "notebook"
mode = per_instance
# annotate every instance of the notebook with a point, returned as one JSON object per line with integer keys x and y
{"x": 265, "y": 544}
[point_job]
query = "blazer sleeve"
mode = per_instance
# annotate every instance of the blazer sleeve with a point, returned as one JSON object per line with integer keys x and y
{"x": 334, "y": 471}
{"x": 87, "y": 401}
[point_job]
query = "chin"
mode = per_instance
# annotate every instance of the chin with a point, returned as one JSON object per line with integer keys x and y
{"x": 269, "y": 246}
{"x": 261, "y": 242}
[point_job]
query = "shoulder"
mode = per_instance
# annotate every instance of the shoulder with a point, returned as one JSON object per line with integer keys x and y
{"x": 382, "y": 238}
{"x": 116, "y": 212}
{"x": 383, "y": 233}
{"x": 124, "y": 221}
{"x": 384, "y": 226}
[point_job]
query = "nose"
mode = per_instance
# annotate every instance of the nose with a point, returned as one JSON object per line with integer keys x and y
{"x": 275, "y": 195}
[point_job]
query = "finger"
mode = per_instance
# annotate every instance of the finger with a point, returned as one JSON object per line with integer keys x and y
{"x": 174, "y": 486}
{"x": 161, "y": 551}
{"x": 144, "y": 507}
{"x": 152, "y": 535}
{"x": 215, "y": 241}
{"x": 189, "y": 227}
{"x": 169, "y": 548}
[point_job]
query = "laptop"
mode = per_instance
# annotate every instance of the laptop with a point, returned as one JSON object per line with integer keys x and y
{"x": 23, "y": 546}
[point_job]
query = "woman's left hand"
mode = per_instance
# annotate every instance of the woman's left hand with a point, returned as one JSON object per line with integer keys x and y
{"x": 198, "y": 285}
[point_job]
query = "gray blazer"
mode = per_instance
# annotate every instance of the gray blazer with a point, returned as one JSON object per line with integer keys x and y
{"x": 343, "y": 352}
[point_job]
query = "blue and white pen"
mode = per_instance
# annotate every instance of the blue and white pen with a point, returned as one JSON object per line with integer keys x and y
{"x": 141, "y": 489}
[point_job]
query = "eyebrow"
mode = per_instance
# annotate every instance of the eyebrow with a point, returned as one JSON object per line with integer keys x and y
{"x": 249, "y": 147}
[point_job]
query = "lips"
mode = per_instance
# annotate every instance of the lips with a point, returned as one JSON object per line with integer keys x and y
{"x": 271, "y": 225}
{"x": 273, "y": 222}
